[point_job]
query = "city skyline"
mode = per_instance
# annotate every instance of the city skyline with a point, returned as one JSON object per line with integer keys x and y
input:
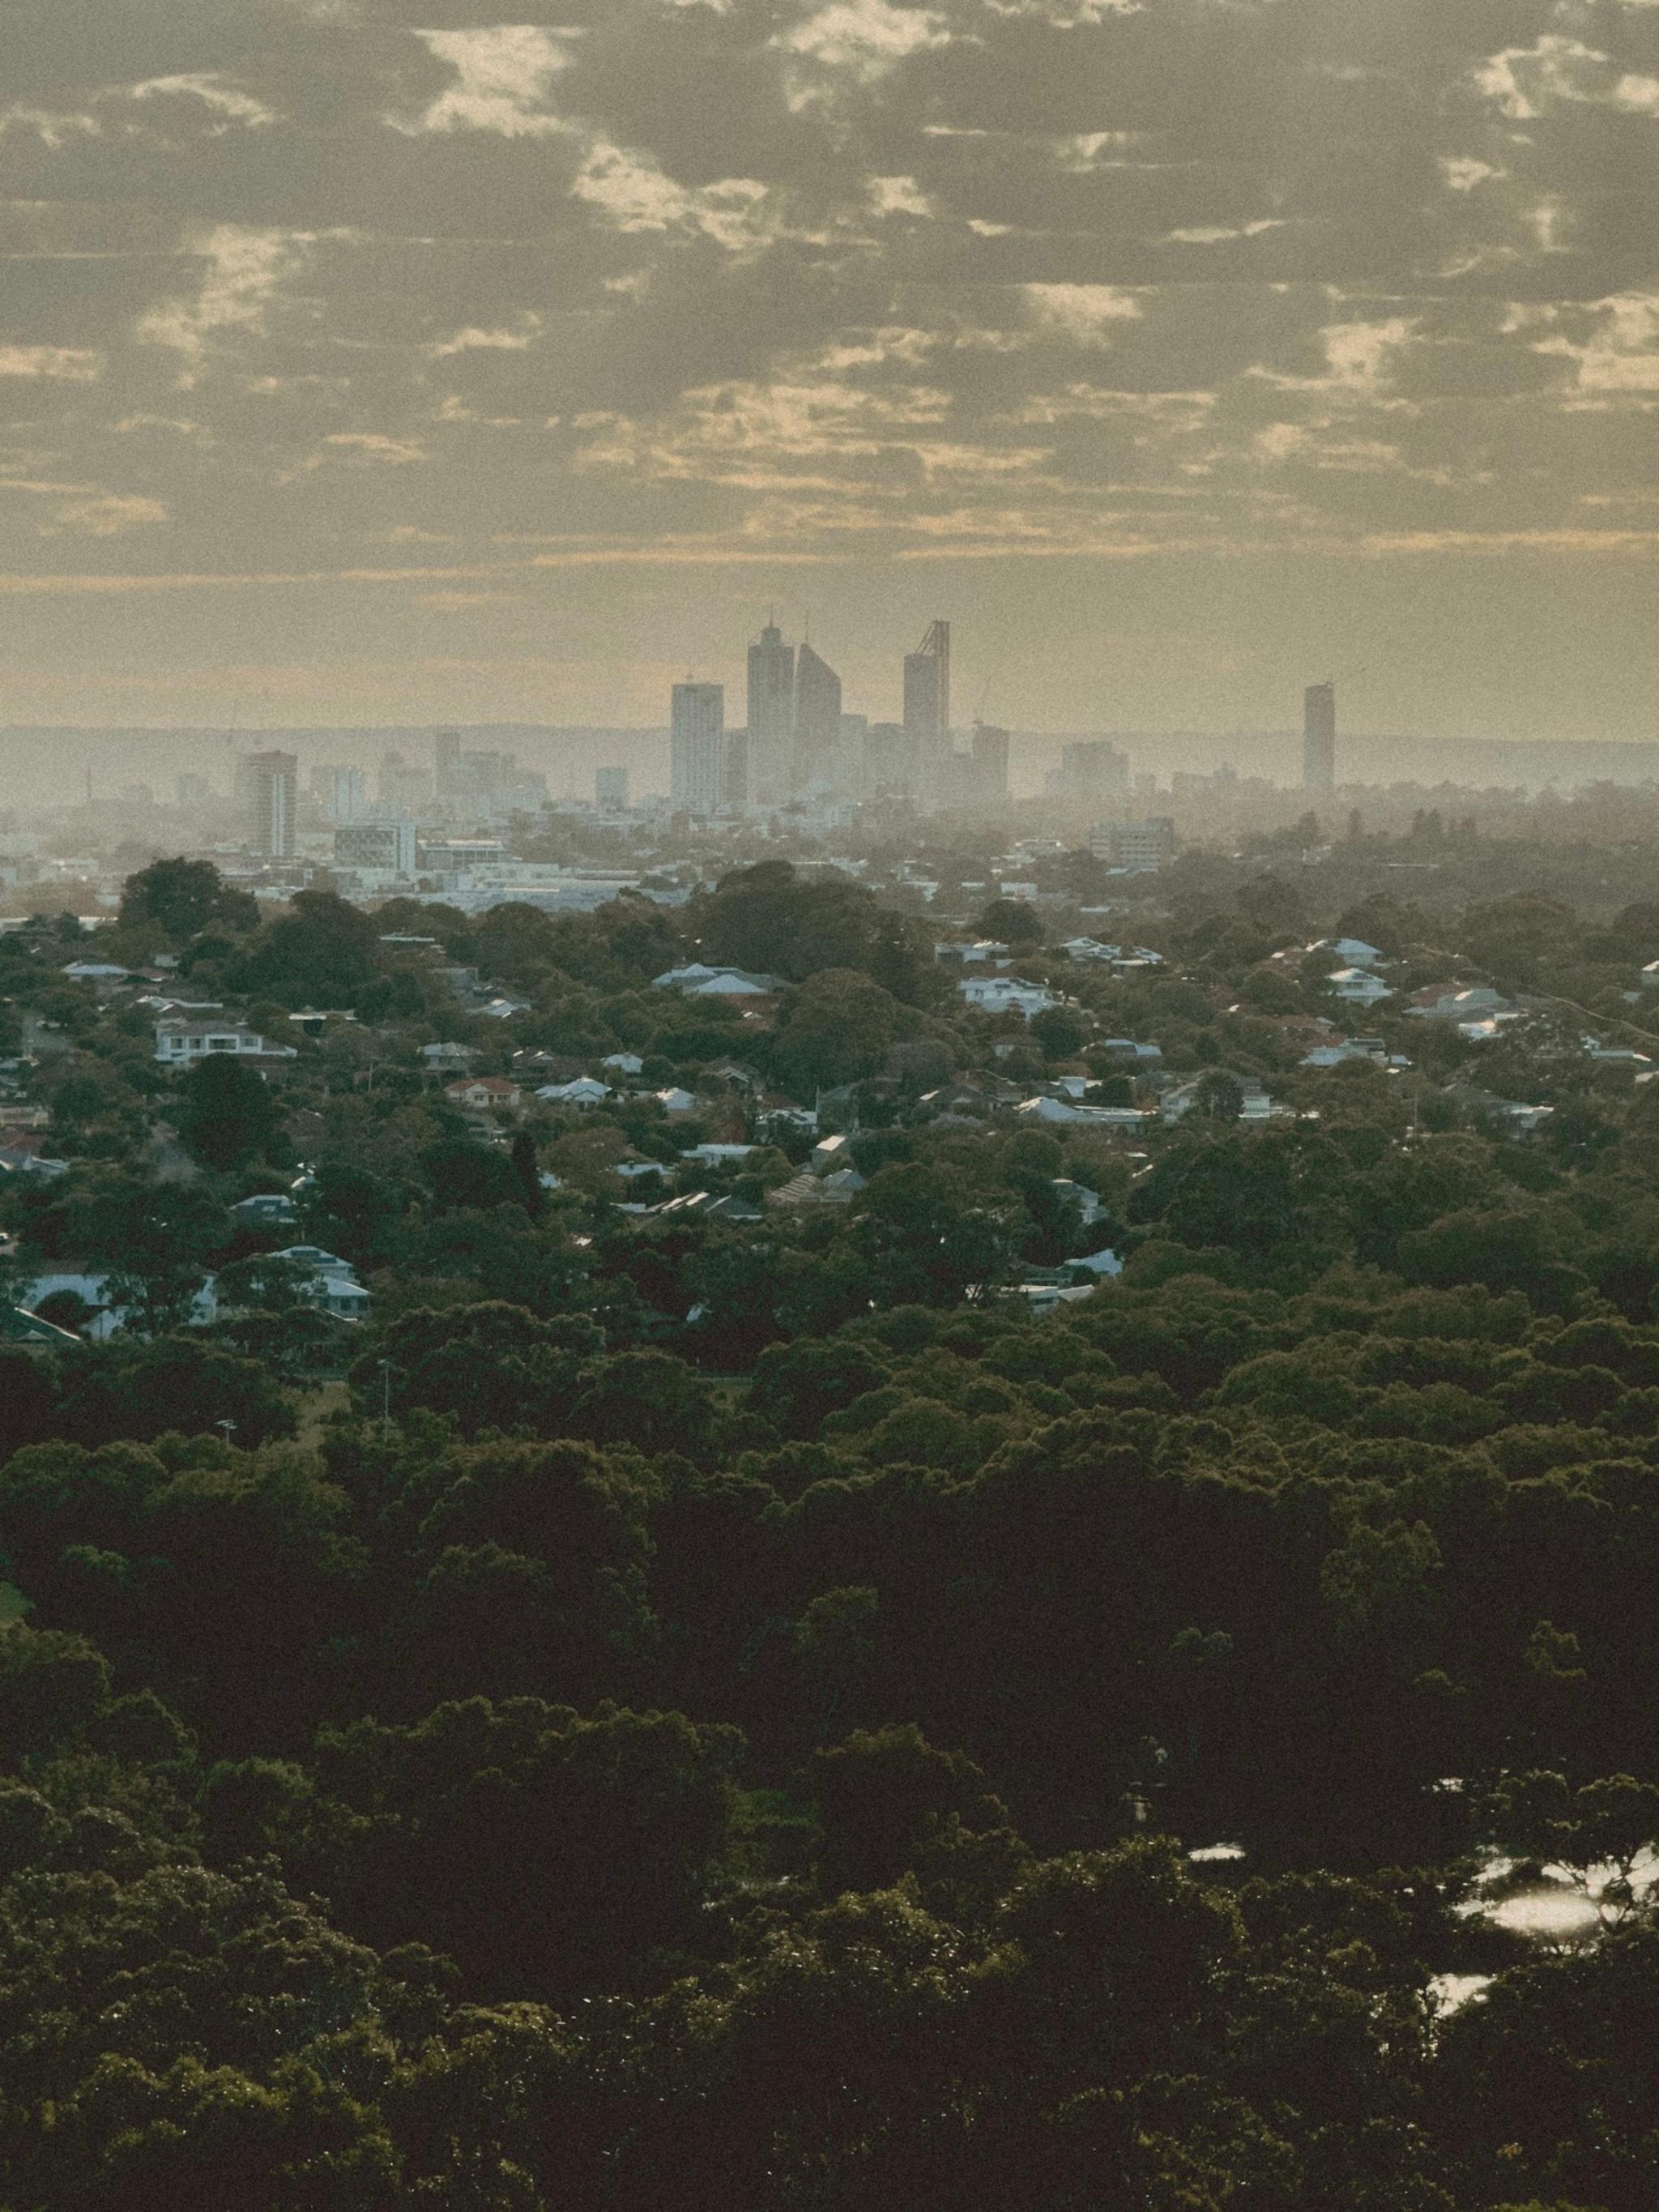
{"x": 357, "y": 369}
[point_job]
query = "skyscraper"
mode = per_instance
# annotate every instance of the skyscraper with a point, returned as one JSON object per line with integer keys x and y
{"x": 990, "y": 777}
{"x": 610, "y": 788}
{"x": 771, "y": 718}
{"x": 697, "y": 737}
{"x": 447, "y": 762}
{"x": 271, "y": 783}
{"x": 1319, "y": 738}
{"x": 817, "y": 724}
{"x": 927, "y": 706}
{"x": 342, "y": 792}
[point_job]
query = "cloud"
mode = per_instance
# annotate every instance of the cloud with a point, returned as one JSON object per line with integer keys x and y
{"x": 61, "y": 364}
{"x": 242, "y": 269}
{"x": 1528, "y": 82}
{"x": 503, "y": 76}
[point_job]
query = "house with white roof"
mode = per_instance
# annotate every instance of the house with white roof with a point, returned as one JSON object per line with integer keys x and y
{"x": 1003, "y": 995}
{"x": 1357, "y": 986}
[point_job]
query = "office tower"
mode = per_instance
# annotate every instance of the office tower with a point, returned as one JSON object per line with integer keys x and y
{"x": 403, "y": 785}
{"x": 889, "y": 763}
{"x": 342, "y": 792}
{"x": 447, "y": 762}
{"x": 388, "y": 847}
{"x": 1319, "y": 738}
{"x": 990, "y": 776}
{"x": 271, "y": 783}
{"x": 1091, "y": 768}
{"x": 734, "y": 773}
{"x": 927, "y": 706}
{"x": 771, "y": 718}
{"x": 817, "y": 724}
{"x": 698, "y": 742}
{"x": 610, "y": 788}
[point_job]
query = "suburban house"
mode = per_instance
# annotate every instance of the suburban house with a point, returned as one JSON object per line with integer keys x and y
{"x": 180, "y": 1044}
{"x": 1457, "y": 1002}
{"x": 1054, "y": 1113}
{"x": 699, "y": 980}
{"x": 1003, "y": 995}
{"x": 581, "y": 1091}
{"x": 331, "y": 1288}
{"x": 623, "y": 1063}
{"x": 1176, "y": 1104}
{"x": 272, "y": 1209}
{"x": 446, "y": 1059}
{"x": 483, "y": 1091}
{"x": 1357, "y": 986}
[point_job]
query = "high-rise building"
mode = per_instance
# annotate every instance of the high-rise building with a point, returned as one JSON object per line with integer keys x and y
{"x": 342, "y": 793}
{"x": 610, "y": 788}
{"x": 817, "y": 724}
{"x": 1091, "y": 768}
{"x": 1319, "y": 738}
{"x": 271, "y": 783}
{"x": 889, "y": 763}
{"x": 388, "y": 847}
{"x": 697, "y": 737}
{"x": 403, "y": 785}
{"x": 928, "y": 705}
{"x": 447, "y": 762}
{"x": 990, "y": 765}
{"x": 771, "y": 718}
{"x": 735, "y": 769}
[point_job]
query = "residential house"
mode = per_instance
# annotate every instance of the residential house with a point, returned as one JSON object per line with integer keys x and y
{"x": 583, "y": 1091}
{"x": 182, "y": 1044}
{"x": 1458, "y": 1002}
{"x": 623, "y": 1063}
{"x": 272, "y": 1209}
{"x": 1058, "y": 1112}
{"x": 830, "y": 1153}
{"x": 1357, "y": 986}
{"x": 1002, "y": 994}
{"x": 446, "y": 1059}
{"x": 676, "y": 1103}
{"x": 481, "y": 1093}
{"x": 1176, "y": 1104}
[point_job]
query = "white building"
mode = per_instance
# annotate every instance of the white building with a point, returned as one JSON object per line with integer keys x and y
{"x": 180, "y": 1044}
{"x": 1357, "y": 986}
{"x": 386, "y": 848}
{"x": 1002, "y": 994}
{"x": 697, "y": 743}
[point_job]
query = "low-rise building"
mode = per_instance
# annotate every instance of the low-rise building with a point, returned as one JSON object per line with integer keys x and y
{"x": 181, "y": 1044}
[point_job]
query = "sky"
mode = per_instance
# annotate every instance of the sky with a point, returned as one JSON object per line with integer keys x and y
{"x": 364, "y": 361}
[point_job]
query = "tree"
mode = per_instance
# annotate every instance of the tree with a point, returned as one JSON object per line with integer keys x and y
{"x": 1011, "y": 921}
{"x": 322, "y": 952}
{"x": 834, "y": 1030}
{"x": 228, "y": 1114}
{"x": 182, "y": 897}
{"x": 490, "y": 1366}
{"x": 1062, "y": 1031}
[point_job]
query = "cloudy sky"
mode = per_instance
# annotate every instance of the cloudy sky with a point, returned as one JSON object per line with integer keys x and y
{"x": 363, "y": 360}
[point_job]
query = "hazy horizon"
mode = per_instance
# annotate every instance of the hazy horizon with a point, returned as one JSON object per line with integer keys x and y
{"x": 364, "y": 364}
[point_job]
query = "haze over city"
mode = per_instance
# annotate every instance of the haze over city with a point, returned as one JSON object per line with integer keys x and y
{"x": 370, "y": 365}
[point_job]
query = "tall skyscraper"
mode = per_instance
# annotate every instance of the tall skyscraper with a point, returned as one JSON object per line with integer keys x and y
{"x": 271, "y": 782}
{"x": 771, "y": 718}
{"x": 447, "y": 762}
{"x": 737, "y": 767}
{"x": 817, "y": 724}
{"x": 610, "y": 788}
{"x": 927, "y": 706}
{"x": 342, "y": 792}
{"x": 1319, "y": 738}
{"x": 697, "y": 737}
{"x": 990, "y": 766}
{"x": 1089, "y": 768}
